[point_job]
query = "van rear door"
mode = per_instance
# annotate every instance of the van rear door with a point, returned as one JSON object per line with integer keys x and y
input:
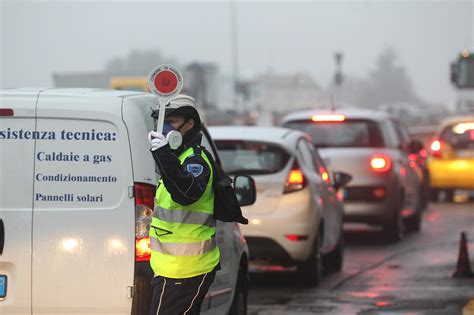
{"x": 83, "y": 214}
{"x": 17, "y": 124}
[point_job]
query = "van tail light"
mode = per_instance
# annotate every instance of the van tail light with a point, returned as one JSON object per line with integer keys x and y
{"x": 380, "y": 163}
{"x": 435, "y": 148}
{"x": 6, "y": 112}
{"x": 144, "y": 202}
{"x": 296, "y": 180}
{"x": 142, "y": 249}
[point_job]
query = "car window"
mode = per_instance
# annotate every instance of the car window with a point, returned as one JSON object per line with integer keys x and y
{"x": 319, "y": 164}
{"x": 390, "y": 134}
{"x": 349, "y": 133}
{"x": 306, "y": 154}
{"x": 251, "y": 157}
{"x": 402, "y": 133}
{"x": 460, "y": 136}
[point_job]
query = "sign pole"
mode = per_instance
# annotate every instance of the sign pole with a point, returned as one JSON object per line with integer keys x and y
{"x": 161, "y": 114}
{"x": 165, "y": 82}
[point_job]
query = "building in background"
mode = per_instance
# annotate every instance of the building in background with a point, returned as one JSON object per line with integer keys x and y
{"x": 285, "y": 92}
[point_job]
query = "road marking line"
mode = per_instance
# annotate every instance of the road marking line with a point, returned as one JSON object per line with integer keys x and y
{"x": 469, "y": 308}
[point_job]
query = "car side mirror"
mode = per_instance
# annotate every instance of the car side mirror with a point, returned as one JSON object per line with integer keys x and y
{"x": 245, "y": 191}
{"x": 341, "y": 179}
{"x": 415, "y": 146}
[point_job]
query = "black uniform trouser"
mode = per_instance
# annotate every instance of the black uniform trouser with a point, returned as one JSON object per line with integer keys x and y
{"x": 179, "y": 296}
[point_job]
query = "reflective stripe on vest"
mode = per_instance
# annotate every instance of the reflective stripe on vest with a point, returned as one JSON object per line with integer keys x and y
{"x": 183, "y": 249}
{"x": 184, "y": 216}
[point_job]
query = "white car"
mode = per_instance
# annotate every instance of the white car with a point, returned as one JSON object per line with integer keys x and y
{"x": 297, "y": 217}
{"x": 76, "y": 191}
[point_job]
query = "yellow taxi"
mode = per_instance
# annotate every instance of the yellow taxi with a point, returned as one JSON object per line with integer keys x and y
{"x": 130, "y": 83}
{"x": 451, "y": 157}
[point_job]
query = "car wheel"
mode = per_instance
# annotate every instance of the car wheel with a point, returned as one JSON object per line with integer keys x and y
{"x": 239, "y": 303}
{"x": 334, "y": 260}
{"x": 311, "y": 270}
{"x": 395, "y": 229}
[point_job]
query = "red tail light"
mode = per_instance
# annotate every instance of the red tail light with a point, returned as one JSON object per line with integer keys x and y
{"x": 6, "y": 112}
{"x": 436, "y": 148}
{"x": 324, "y": 175}
{"x": 142, "y": 249}
{"x": 380, "y": 163}
{"x": 144, "y": 202}
{"x": 295, "y": 180}
{"x": 379, "y": 193}
{"x": 295, "y": 237}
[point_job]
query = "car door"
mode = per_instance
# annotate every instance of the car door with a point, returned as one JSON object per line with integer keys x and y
{"x": 16, "y": 191}
{"x": 317, "y": 185}
{"x": 83, "y": 208}
{"x": 335, "y": 213}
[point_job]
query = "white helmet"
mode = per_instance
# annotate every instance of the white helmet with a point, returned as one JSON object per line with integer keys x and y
{"x": 181, "y": 105}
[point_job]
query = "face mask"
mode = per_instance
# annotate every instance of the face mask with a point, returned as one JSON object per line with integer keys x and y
{"x": 167, "y": 128}
{"x": 174, "y": 137}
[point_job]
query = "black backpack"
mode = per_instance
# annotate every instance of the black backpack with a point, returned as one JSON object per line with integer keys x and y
{"x": 226, "y": 205}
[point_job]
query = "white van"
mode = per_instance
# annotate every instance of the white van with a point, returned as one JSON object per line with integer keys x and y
{"x": 76, "y": 177}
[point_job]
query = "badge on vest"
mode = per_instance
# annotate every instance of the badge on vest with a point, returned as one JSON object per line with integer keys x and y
{"x": 195, "y": 169}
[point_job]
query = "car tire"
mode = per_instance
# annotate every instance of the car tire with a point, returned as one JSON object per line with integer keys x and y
{"x": 239, "y": 303}
{"x": 311, "y": 270}
{"x": 334, "y": 260}
{"x": 394, "y": 230}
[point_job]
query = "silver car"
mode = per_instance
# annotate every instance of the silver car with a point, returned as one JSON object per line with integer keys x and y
{"x": 386, "y": 188}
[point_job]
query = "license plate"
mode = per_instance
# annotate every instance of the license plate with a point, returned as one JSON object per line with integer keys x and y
{"x": 3, "y": 286}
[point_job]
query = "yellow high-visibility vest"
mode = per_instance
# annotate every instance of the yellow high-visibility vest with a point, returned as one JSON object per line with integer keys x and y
{"x": 183, "y": 238}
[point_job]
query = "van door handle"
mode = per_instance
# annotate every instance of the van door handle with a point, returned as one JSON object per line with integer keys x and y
{"x": 2, "y": 236}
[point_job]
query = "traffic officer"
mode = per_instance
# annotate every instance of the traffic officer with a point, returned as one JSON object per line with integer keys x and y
{"x": 184, "y": 253}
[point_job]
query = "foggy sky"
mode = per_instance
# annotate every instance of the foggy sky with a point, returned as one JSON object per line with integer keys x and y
{"x": 41, "y": 37}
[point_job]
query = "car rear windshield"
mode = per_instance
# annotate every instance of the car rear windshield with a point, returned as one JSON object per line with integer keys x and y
{"x": 251, "y": 157}
{"x": 460, "y": 136}
{"x": 348, "y": 133}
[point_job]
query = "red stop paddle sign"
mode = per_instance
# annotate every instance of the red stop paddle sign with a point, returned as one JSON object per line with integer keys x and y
{"x": 165, "y": 81}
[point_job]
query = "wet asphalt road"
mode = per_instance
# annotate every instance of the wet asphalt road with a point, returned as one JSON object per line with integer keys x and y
{"x": 409, "y": 277}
